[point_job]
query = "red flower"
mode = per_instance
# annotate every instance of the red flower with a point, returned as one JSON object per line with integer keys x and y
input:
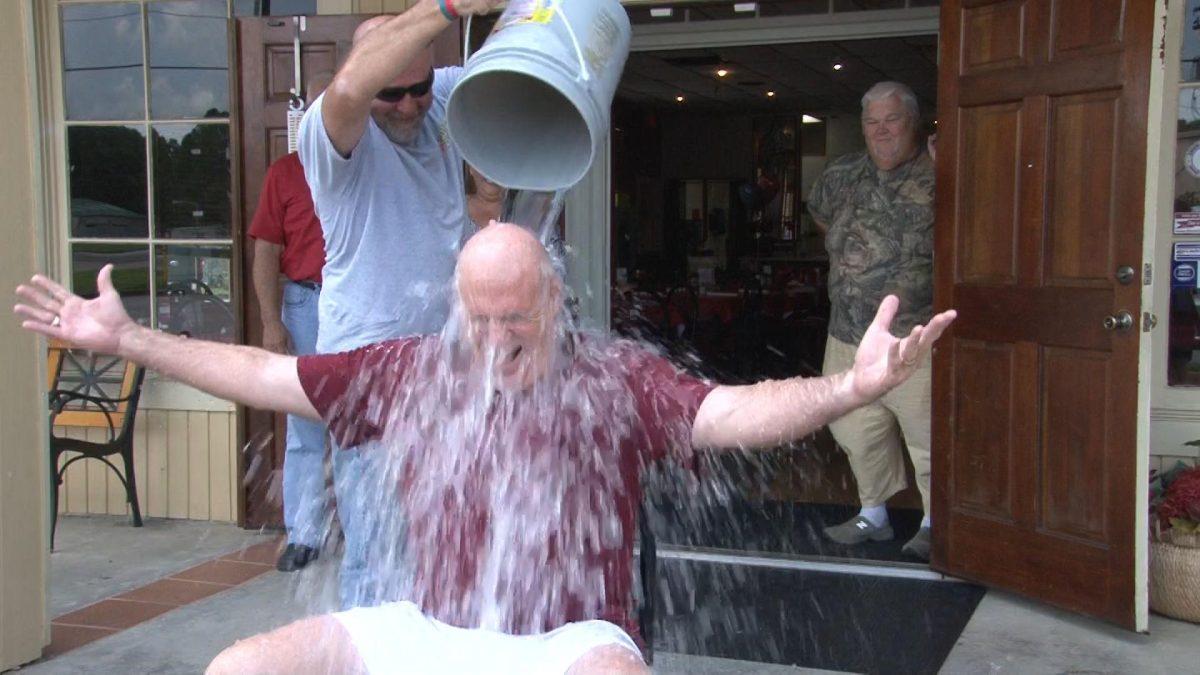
{"x": 1182, "y": 498}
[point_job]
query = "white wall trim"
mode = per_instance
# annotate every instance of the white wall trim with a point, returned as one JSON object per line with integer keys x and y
{"x": 160, "y": 393}
{"x": 589, "y": 247}
{"x": 842, "y": 26}
{"x": 1157, "y": 123}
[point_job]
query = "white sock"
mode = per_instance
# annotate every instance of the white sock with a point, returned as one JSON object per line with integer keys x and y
{"x": 925, "y": 522}
{"x": 876, "y": 514}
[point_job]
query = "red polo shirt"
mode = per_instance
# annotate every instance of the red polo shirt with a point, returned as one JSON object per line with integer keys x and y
{"x": 583, "y": 441}
{"x": 285, "y": 216}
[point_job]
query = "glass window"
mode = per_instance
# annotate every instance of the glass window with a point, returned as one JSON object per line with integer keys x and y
{"x": 144, "y": 214}
{"x": 191, "y": 181}
{"x": 194, "y": 296}
{"x": 107, "y": 174}
{"x": 189, "y": 59}
{"x": 859, "y": 5}
{"x": 1189, "y": 57}
{"x": 131, "y": 274}
{"x": 102, "y": 62}
{"x": 274, "y": 7}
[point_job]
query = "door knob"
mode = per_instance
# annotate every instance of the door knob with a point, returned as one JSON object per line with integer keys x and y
{"x": 1122, "y": 320}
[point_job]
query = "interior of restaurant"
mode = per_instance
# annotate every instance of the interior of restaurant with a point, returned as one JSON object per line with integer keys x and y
{"x": 716, "y": 259}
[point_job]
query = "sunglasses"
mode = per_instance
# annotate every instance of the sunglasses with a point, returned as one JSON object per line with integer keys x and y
{"x": 397, "y": 94}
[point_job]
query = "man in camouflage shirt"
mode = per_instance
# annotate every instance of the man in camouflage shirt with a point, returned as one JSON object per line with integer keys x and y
{"x": 876, "y": 208}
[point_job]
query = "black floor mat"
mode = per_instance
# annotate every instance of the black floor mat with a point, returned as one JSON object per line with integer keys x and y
{"x": 777, "y": 527}
{"x": 845, "y": 622}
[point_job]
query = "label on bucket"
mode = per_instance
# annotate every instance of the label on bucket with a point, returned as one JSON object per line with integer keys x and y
{"x": 602, "y": 42}
{"x": 527, "y": 11}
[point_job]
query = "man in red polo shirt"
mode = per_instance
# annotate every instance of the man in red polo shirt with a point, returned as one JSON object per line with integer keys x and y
{"x": 517, "y": 446}
{"x": 289, "y": 252}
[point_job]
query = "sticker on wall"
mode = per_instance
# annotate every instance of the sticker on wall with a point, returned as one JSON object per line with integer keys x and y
{"x": 1186, "y": 222}
{"x": 1191, "y": 159}
{"x": 1183, "y": 274}
{"x": 1186, "y": 250}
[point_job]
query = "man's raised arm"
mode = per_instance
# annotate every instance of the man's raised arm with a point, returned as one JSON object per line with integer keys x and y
{"x": 246, "y": 375}
{"x": 378, "y": 57}
{"x": 770, "y": 413}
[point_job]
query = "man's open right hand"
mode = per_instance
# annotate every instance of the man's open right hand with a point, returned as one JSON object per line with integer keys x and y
{"x": 97, "y": 324}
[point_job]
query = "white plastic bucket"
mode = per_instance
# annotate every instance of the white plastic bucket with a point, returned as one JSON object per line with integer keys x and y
{"x": 532, "y": 107}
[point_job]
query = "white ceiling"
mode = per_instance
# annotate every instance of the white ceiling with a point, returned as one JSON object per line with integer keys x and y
{"x": 801, "y": 74}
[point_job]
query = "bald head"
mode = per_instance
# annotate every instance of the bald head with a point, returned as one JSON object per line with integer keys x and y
{"x": 504, "y": 255}
{"x": 511, "y": 296}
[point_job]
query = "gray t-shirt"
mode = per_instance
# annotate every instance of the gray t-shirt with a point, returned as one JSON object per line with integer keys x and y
{"x": 394, "y": 218}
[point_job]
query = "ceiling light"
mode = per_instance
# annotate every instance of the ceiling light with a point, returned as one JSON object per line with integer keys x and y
{"x": 838, "y": 65}
{"x": 679, "y": 99}
{"x": 809, "y": 119}
{"x": 661, "y": 12}
{"x": 770, "y": 94}
{"x": 745, "y": 6}
{"x": 722, "y": 72}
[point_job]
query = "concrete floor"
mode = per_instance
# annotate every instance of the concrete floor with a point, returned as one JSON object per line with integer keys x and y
{"x": 101, "y": 556}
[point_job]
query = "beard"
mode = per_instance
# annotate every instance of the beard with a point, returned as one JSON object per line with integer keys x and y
{"x": 400, "y": 132}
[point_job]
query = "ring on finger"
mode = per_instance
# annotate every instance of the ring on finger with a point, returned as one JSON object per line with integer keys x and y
{"x": 57, "y": 320}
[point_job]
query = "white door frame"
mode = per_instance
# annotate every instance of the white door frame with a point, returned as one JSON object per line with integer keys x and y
{"x": 589, "y": 223}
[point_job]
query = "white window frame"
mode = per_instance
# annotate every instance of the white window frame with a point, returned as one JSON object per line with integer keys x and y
{"x": 159, "y": 392}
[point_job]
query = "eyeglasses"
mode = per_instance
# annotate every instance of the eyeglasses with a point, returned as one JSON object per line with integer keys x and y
{"x": 397, "y": 94}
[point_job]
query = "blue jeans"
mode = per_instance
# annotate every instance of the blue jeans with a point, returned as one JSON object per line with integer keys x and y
{"x": 304, "y": 459}
{"x": 374, "y": 569}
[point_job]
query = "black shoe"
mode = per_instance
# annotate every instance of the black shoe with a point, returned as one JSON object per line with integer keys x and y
{"x": 295, "y": 557}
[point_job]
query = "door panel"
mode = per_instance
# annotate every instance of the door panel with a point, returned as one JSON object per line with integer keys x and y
{"x": 266, "y": 58}
{"x": 1040, "y": 175}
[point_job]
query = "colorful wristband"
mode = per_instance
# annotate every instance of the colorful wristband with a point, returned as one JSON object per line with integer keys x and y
{"x": 447, "y": 7}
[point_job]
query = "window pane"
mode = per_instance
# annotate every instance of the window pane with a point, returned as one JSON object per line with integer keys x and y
{"x": 102, "y": 62}
{"x": 792, "y": 7}
{"x": 194, "y": 291}
{"x": 131, "y": 274}
{"x": 1183, "y": 336}
{"x": 191, "y": 181}
{"x": 857, "y": 5}
{"x": 274, "y": 7}
{"x": 1189, "y": 56}
{"x": 189, "y": 59}
{"x": 107, "y": 169}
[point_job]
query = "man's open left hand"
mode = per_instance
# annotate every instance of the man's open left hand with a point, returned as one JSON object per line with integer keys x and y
{"x": 883, "y": 361}
{"x": 55, "y": 312}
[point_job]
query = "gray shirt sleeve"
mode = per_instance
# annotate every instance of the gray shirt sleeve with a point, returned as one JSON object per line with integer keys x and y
{"x": 327, "y": 172}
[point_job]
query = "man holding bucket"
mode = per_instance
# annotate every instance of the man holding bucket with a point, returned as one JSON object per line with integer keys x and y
{"x": 388, "y": 188}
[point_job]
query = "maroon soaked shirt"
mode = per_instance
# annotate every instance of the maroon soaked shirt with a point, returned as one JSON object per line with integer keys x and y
{"x": 530, "y": 522}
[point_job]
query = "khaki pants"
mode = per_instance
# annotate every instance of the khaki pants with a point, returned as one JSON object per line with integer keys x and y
{"x": 872, "y": 436}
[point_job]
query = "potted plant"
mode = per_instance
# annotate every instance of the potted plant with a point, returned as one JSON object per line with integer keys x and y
{"x": 1175, "y": 546}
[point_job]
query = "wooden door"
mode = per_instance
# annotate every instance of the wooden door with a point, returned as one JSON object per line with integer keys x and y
{"x": 265, "y": 67}
{"x": 1041, "y": 161}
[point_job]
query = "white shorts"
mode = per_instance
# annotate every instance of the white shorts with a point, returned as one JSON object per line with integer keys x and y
{"x": 398, "y": 638}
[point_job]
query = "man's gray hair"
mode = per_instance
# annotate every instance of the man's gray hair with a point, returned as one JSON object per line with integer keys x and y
{"x": 882, "y": 90}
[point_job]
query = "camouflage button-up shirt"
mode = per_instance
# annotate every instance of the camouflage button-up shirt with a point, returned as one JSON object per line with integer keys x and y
{"x": 880, "y": 241}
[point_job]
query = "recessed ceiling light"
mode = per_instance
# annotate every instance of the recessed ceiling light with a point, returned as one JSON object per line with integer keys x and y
{"x": 745, "y": 6}
{"x": 679, "y": 99}
{"x": 722, "y": 72}
{"x": 808, "y": 119}
{"x": 770, "y": 94}
{"x": 661, "y": 12}
{"x": 838, "y": 65}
